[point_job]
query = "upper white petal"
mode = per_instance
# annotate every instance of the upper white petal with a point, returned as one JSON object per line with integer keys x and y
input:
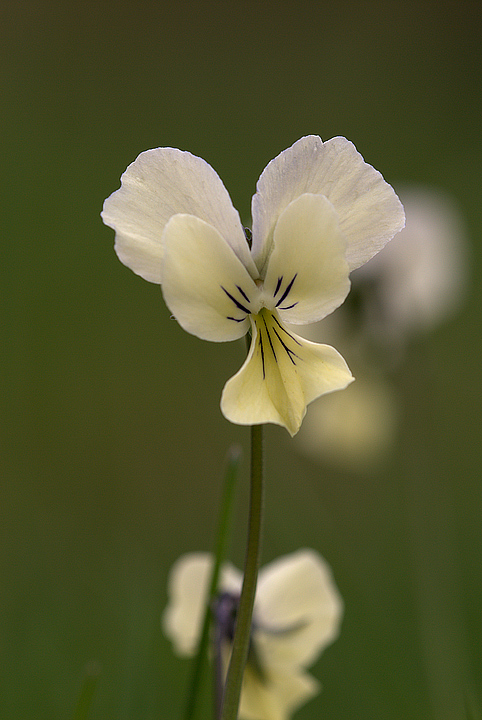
{"x": 307, "y": 274}
{"x": 369, "y": 212}
{"x": 296, "y": 593}
{"x": 203, "y": 279}
{"x": 188, "y": 585}
{"x": 159, "y": 184}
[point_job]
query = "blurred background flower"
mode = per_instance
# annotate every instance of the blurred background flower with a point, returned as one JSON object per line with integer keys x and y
{"x": 355, "y": 431}
{"x": 110, "y": 461}
{"x": 297, "y": 613}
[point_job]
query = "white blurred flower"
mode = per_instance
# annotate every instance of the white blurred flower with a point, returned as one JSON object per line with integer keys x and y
{"x": 420, "y": 278}
{"x": 297, "y": 613}
{"x": 407, "y": 290}
{"x": 319, "y": 212}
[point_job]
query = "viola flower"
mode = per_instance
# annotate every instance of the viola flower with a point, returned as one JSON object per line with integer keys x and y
{"x": 297, "y": 613}
{"x": 319, "y": 212}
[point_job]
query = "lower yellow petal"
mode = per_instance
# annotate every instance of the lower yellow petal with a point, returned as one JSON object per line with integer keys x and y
{"x": 278, "y": 696}
{"x": 281, "y": 375}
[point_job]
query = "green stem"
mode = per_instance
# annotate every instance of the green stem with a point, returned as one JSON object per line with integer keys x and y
{"x": 242, "y": 633}
{"x": 200, "y": 661}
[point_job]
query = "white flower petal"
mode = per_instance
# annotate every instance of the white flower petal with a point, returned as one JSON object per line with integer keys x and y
{"x": 307, "y": 274}
{"x": 281, "y": 375}
{"x": 369, "y": 212}
{"x": 296, "y": 594}
{"x": 205, "y": 285}
{"x": 159, "y": 184}
{"x": 277, "y": 696}
{"x": 188, "y": 586}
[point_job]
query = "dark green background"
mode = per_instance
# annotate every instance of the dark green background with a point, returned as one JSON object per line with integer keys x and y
{"x": 113, "y": 440}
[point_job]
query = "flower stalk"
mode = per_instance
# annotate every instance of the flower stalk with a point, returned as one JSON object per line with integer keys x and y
{"x": 234, "y": 679}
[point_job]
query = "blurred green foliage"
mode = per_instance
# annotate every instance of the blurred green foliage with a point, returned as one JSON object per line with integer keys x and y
{"x": 112, "y": 437}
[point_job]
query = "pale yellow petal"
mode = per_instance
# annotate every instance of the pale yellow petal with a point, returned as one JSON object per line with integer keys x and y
{"x": 277, "y": 695}
{"x": 281, "y": 375}
{"x": 205, "y": 285}
{"x": 188, "y": 586}
{"x": 307, "y": 274}
{"x": 354, "y": 429}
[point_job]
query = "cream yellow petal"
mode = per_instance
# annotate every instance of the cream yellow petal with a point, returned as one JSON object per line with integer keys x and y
{"x": 354, "y": 429}
{"x": 281, "y": 375}
{"x": 422, "y": 276}
{"x": 307, "y": 274}
{"x": 205, "y": 285}
{"x": 277, "y": 695}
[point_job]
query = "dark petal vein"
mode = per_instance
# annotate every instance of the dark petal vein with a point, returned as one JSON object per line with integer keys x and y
{"x": 269, "y": 338}
{"x": 280, "y": 280}
{"x": 286, "y": 331}
{"x": 243, "y": 293}
{"x": 286, "y": 292}
{"x": 289, "y": 352}
{"x": 288, "y": 307}
{"x": 262, "y": 354}
{"x": 236, "y": 302}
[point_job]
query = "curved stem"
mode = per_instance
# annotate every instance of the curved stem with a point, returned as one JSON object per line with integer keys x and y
{"x": 232, "y": 691}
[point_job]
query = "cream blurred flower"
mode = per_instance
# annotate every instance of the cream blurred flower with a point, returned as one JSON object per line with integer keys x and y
{"x": 355, "y": 429}
{"x": 319, "y": 212}
{"x": 297, "y": 613}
